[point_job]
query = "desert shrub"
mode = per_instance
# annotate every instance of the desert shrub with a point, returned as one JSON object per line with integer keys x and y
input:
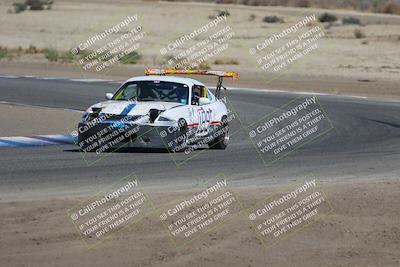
{"x": 251, "y": 2}
{"x": 302, "y": 3}
{"x": 327, "y": 17}
{"x": 3, "y": 52}
{"x": 19, "y": 50}
{"x": 51, "y": 54}
{"x": 226, "y": 61}
{"x": 202, "y": 66}
{"x": 35, "y": 4}
{"x": 225, "y": 2}
{"x": 19, "y": 7}
{"x": 66, "y": 56}
{"x": 104, "y": 56}
{"x": 220, "y": 13}
{"x": 223, "y": 13}
{"x": 90, "y": 55}
{"x": 272, "y": 19}
{"x": 130, "y": 58}
{"x": 32, "y": 5}
{"x": 39, "y": 4}
{"x": 359, "y": 34}
{"x": 49, "y": 5}
{"x": 30, "y": 50}
{"x": 386, "y": 6}
{"x": 83, "y": 53}
{"x": 351, "y": 20}
{"x": 391, "y": 8}
{"x": 252, "y": 17}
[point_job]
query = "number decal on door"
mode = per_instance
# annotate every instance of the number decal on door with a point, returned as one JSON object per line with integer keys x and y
{"x": 205, "y": 117}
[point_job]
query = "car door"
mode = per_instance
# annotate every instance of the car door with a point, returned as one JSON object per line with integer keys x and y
{"x": 205, "y": 114}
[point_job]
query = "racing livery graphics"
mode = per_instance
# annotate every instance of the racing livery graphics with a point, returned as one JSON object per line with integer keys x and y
{"x": 158, "y": 111}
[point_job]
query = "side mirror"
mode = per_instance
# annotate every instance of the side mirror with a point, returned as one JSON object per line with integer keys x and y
{"x": 109, "y": 96}
{"x": 204, "y": 101}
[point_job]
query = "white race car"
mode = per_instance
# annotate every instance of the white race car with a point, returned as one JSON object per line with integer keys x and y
{"x": 158, "y": 111}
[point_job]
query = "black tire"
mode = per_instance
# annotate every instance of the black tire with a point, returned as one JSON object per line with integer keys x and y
{"x": 222, "y": 140}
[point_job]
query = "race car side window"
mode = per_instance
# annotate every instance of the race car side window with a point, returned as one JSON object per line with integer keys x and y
{"x": 197, "y": 92}
{"x": 210, "y": 95}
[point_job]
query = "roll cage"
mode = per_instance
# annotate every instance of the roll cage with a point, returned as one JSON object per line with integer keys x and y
{"x": 219, "y": 74}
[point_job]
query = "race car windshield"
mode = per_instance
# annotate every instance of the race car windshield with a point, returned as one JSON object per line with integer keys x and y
{"x": 153, "y": 91}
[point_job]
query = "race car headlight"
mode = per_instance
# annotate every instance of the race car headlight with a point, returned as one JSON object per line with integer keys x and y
{"x": 84, "y": 117}
{"x": 161, "y": 118}
{"x": 89, "y": 116}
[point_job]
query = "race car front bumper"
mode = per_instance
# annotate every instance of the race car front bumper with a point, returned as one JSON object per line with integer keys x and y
{"x": 109, "y": 136}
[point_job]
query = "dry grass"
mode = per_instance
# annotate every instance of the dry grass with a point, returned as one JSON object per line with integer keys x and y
{"x": 226, "y": 61}
{"x": 379, "y": 6}
{"x": 391, "y": 8}
{"x": 359, "y": 34}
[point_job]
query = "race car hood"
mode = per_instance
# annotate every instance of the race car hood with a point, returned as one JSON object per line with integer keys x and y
{"x": 130, "y": 108}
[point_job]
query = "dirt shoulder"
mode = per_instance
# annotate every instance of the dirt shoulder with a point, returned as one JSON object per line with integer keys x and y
{"x": 342, "y": 64}
{"x": 19, "y": 120}
{"x": 378, "y": 88}
{"x": 362, "y": 229}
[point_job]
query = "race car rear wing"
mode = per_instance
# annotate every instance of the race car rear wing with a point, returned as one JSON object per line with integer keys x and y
{"x": 220, "y": 74}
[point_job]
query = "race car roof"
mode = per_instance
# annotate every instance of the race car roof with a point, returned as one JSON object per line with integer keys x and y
{"x": 183, "y": 80}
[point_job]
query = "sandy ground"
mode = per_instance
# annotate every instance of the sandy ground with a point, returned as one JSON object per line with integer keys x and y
{"x": 18, "y": 120}
{"x": 377, "y": 89}
{"x": 362, "y": 230}
{"x": 342, "y": 64}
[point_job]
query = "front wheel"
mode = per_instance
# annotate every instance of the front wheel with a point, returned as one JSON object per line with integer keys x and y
{"x": 222, "y": 136}
{"x": 181, "y": 140}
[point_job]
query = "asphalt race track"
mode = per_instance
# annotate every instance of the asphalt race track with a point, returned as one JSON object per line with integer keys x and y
{"x": 363, "y": 144}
